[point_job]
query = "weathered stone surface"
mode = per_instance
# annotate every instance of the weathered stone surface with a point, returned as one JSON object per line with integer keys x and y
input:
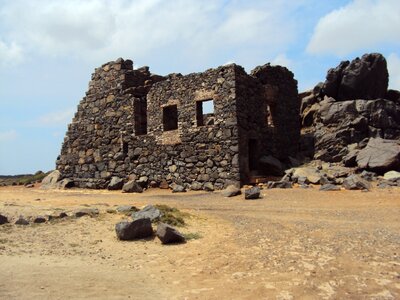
{"x": 340, "y": 124}
{"x": 126, "y": 209}
{"x": 92, "y": 212}
{"x": 116, "y": 183}
{"x": 391, "y": 175}
{"x": 176, "y": 188}
{"x": 22, "y": 221}
{"x": 138, "y": 229}
{"x": 231, "y": 191}
{"x": 132, "y": 187}
{"x": 365, "y": 78}
{"x": 311, "y": 174}
{"x": 148, "y": 212}
{"x": 196, "y": 186}
{"x": 329, "y": 187}
{"x": 380, "y": 155}
{"x": 3, "y": 219}
{"x": 355, "y": 182}
{"x": 252, "y": 193}
{"x": 50, "y": 181}
{"x": 208, "y": 186}
{"x": 279, "y": 185}
{"x": 168, "y": 234}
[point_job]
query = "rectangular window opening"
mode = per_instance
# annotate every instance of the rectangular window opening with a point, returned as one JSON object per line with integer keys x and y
{"x": 205, "y": 112}
{"x": 140, "y": 110}
{"x": 124, "y": 147}
{"x": 253, "y": 154}
{"x": 170, "y": 117}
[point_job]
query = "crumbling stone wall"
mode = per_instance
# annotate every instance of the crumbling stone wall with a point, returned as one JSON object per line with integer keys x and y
{"x": 134, "y": 124}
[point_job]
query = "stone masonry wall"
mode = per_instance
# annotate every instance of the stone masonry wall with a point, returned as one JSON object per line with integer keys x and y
{"x": 137, "y": 125}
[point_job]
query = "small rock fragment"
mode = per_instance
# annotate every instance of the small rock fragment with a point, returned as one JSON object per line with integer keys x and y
{"x": 168, "y": 234}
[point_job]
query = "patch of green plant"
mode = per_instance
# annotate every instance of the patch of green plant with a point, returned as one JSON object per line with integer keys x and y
{"x": 23, "y": 179}
{"x": 192, "y": 236}
{"x": 172, "y": 216}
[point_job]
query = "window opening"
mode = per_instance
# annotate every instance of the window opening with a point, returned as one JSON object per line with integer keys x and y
{"x": 140, "y": 108}
{"x": 170, "y": 117}
{"x": 205, "y": 112}
{"x": 268, "y": 117}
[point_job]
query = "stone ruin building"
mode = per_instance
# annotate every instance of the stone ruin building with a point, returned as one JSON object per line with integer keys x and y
{"x": 139, "y": 126}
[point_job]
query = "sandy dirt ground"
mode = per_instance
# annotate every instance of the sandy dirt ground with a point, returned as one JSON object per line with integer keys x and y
{"x": 291, "y": 244}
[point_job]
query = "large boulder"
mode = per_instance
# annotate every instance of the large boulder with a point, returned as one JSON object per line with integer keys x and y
{"x": 168, "y": 234}
{"x": 310, "y": 174}
{"x": 116, "y": 183}
{"x": 138, "y": 229}
{"x": 380, "y": 155}
{"x": 132, "y": 187}
{"x": 365, "y": 78}
{"x": 50, "y": 181}
{"x": 148, "y": 212}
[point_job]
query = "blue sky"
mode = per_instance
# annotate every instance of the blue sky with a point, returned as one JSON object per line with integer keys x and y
{"x": 48, "y": 50}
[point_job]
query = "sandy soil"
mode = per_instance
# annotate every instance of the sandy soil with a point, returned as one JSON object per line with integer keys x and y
{"x": 292, "y": 244}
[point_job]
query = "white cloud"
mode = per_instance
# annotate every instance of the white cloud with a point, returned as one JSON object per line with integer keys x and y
{"x": 9, "y": 135}
{"x": 103, "y": 30}
{"x": 362, "y": 24}
{"x": 394, "y": 71}
{"x": 10, "y": 54}
{"x": 56, "y": 118}
{"x": 282, "y": 60}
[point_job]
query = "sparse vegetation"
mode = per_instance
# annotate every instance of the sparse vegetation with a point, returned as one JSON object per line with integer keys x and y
{"x": 22, "y": 179}
{"x": 192, "y": 236}
{"x": 172, "y": 215}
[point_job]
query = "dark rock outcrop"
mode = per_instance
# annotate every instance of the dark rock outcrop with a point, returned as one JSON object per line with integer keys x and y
{"x": 365, "y": 78}
{"x": 138, "y": 229}
{"x": 380, "y": 155}
{"x": 168, "y": 234}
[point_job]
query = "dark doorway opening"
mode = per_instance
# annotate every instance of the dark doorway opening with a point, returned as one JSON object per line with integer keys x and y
{"x": 140, "y": 109}
{"x": 253, "y": 154}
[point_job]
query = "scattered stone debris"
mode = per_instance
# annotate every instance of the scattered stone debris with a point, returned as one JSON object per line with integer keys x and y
{"x": 279, "y": 185}
{"x": 39, "y": 219}
{"x": 138, "y": 229}
{"x": 231, "y": 191}
{"x": 252, "y": 193}
{"x": 56, "y": 216}
{"x": 22, "y": 221}
{"x": 168, "y": 234}
{"x": 329, "y": 187}
{"x": 355, "y": 182}
{"x": 3, "y": 219}
{"x": 149, "y": 212}
{"x": 92, "y": 212}
{"x": 126, "y": 209}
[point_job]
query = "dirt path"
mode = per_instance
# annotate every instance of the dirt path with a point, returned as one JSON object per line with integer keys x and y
{"x": 292, "y": 244}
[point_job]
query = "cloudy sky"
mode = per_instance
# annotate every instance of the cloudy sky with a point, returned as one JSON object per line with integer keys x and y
{"x": 49, "y": 48}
